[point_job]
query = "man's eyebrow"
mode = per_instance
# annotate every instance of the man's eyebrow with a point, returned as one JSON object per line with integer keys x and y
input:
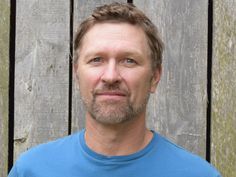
{"x": 92, "y": 53}
{"x": 133, "y": 53}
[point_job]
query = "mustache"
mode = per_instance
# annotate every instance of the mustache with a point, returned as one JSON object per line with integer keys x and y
{"x": 111, "y": 88}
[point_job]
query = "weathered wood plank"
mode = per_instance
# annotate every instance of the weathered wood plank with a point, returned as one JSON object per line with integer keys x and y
{"x": 178, "y": 109}
{"x": 4, "y": 81}
{"x": 223, "y": 147}
{"x": 41, "y": 72}
{"x": 82, "y": 9}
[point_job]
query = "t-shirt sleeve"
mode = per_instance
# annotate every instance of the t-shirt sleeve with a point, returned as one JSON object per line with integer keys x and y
{"x": 218, "y": 175}
{"x": 215, "y": 172}
{"x": 13, "y": 172}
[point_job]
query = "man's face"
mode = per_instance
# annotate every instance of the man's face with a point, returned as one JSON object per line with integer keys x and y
{"x": 114, "y": 72}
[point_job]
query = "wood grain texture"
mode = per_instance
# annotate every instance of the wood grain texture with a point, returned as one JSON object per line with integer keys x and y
{"x": 178, "y": 109}
{"x": 223, "y": 147}
{"x": 4, "y": 81}
{"x": 82, "y": 9}
{"x": 41, "y": 72}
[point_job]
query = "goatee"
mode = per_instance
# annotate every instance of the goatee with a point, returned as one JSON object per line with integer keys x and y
{"x": 114, "y": 111}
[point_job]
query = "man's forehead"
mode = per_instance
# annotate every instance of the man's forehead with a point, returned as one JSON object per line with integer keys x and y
{"x": 116, "y": 26}
{"x": 115, "y": 33}
{"x": 114, "y": 36}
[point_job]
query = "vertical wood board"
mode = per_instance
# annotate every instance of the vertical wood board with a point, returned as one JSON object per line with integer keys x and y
{"x": 41, "y": 72}
{"x": 82, "y": 9}
{"x": 178, "y": 109}
{"x": 4, "y": 81}
{"x": 223, "y": 146}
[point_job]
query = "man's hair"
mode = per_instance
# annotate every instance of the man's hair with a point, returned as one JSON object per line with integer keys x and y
{"x": 127, "y": 13}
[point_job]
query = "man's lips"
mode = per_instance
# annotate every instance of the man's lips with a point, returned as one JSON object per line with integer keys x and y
{"x": 111, "y": 93}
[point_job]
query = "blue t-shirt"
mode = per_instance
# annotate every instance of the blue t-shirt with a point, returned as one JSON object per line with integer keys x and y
{"x": 71, "y": 157}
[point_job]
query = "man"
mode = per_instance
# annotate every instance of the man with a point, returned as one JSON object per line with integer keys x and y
{"x": 118, "y": 56}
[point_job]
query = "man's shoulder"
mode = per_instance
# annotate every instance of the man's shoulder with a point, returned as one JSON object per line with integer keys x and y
{"x": 177, "y": 157}
{"x": 46, "y": 158}
{"x": 50, "y": 150}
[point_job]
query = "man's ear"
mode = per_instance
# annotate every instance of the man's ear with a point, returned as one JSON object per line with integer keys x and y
{"x": 75, "y": 72}
{"x": 155, "y": 79}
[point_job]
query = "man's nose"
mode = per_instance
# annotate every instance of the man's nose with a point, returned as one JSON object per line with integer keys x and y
{"x": 111, "y": 73}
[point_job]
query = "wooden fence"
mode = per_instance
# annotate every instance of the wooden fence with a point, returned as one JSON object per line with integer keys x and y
{"x": 196, "y": 99}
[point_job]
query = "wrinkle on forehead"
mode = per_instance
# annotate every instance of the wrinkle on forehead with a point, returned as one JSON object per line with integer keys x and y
{"x": 115, "y": 36}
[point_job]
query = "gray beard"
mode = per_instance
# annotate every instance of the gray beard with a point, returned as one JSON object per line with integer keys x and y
{"x": 112, "y": 112}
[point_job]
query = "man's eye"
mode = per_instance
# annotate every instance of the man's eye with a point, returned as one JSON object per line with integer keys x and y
{"x": 130, "y": 61}
{"x": 95, "y": 60}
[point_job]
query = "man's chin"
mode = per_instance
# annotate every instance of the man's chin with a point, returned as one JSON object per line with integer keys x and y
{"x": 112, "y": 102}
{"x": 108, "y": 120}
{"x": 111, "y": 114}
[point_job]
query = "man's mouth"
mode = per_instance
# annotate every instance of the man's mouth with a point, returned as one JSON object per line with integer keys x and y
{"x": 111, "y": 95}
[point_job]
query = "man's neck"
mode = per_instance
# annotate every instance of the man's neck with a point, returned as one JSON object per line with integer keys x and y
{"x": 116, "y": 140}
